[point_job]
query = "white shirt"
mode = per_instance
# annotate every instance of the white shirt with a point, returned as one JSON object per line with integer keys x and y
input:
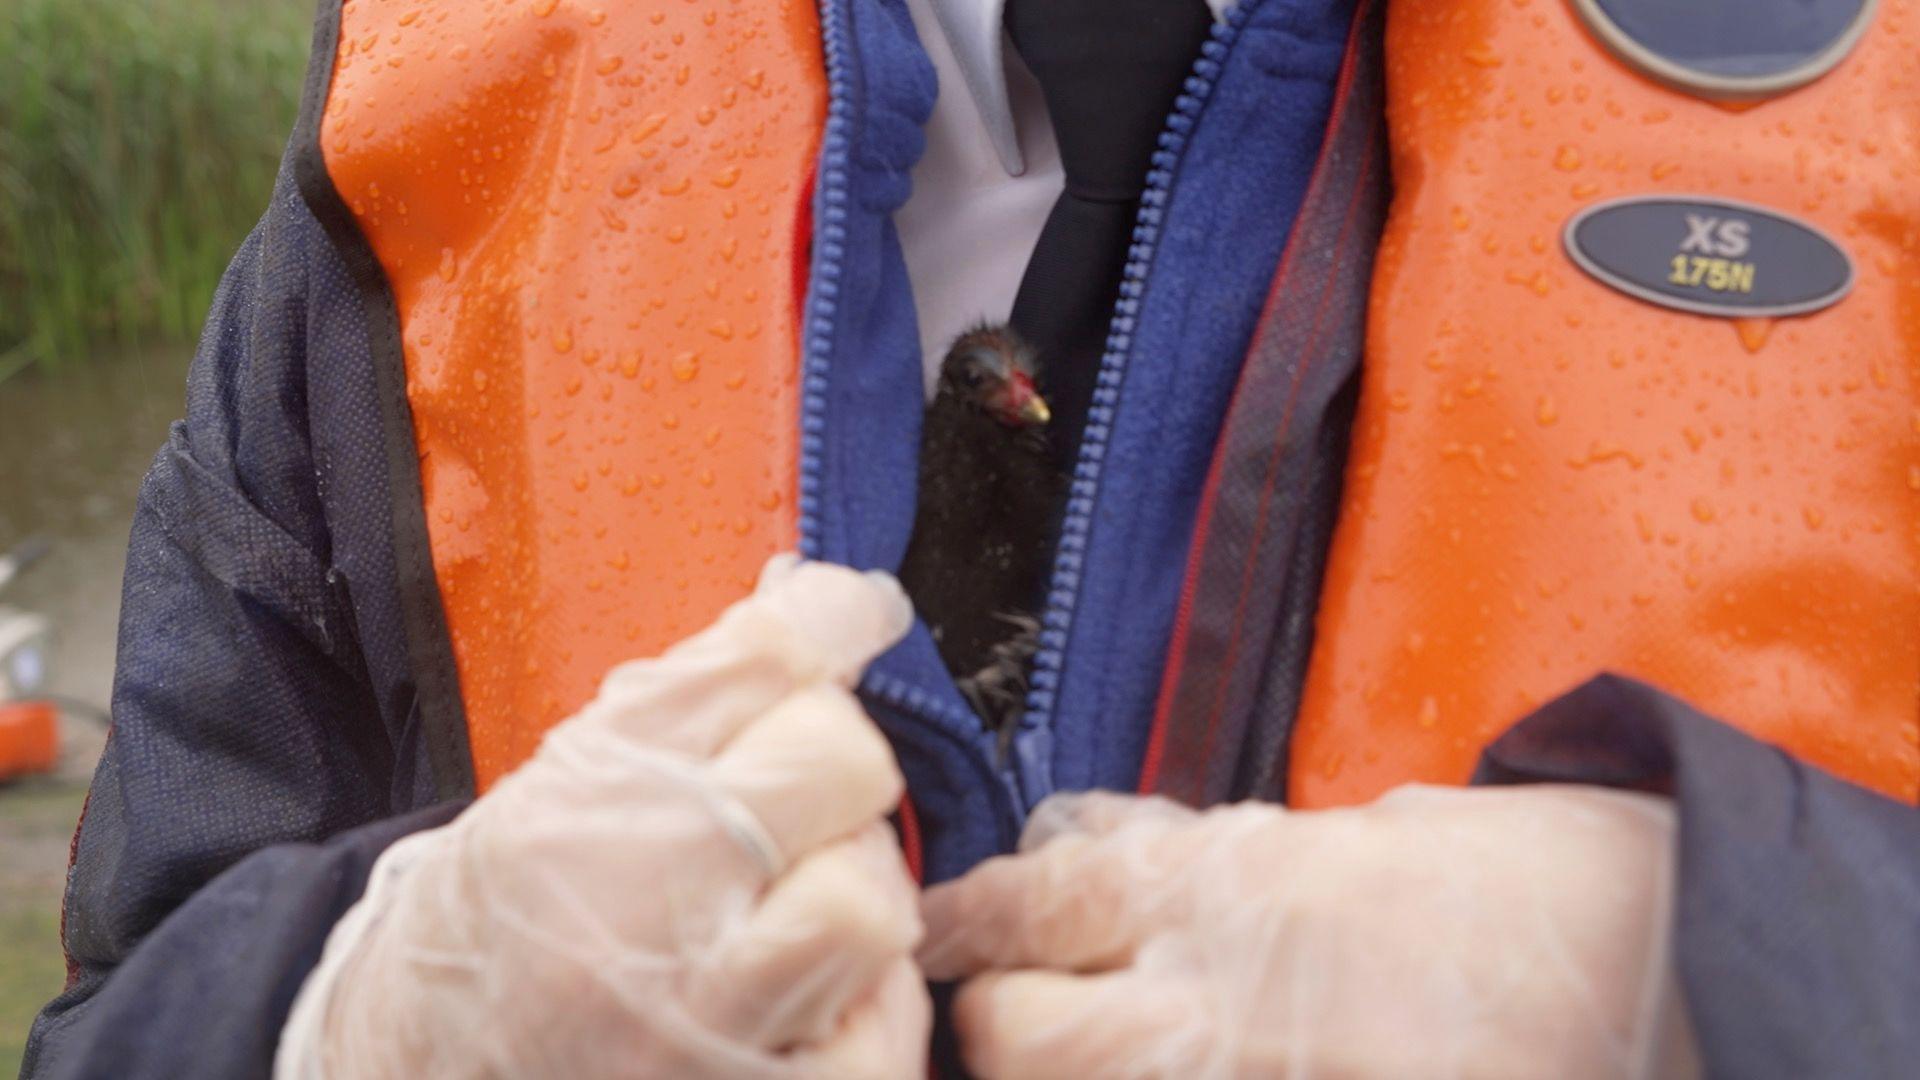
{"x": 990, "y": 175}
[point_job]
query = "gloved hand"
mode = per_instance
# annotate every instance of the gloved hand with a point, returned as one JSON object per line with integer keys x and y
{"x": 1437, "y": 932}
{"x": 692, "y": 877}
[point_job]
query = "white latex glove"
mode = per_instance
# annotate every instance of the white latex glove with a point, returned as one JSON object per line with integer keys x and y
{"x": 692, "y": 877}
{"x": 1499, "y": 932}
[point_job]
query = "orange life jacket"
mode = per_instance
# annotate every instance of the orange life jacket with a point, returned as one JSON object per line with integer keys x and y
{"x": 594, "y": 223}
{"x": 1552, "y": 476}
{"x": 594, "y": 220}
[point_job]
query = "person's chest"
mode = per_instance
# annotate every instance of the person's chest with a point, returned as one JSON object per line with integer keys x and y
{"x": 656, "y": 322}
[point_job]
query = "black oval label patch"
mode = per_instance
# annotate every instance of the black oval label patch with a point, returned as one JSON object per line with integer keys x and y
{"x": 1740, "y": 49}
{"x": 1709, "y": 256}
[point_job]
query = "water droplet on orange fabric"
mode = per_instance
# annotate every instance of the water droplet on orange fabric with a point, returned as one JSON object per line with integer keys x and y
{"x": 1482, "y": 56}
{"x": 1753, "y": 333}
{"x": 647, "y": 128}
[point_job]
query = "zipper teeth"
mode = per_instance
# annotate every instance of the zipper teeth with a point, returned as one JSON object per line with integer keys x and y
{"x": 1064, "y": 588}
{"x": 830, "y": 235}
{"x": 912, "y": 699}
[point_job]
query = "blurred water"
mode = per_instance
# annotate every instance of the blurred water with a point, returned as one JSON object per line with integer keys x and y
{"x": 73, "y": 448}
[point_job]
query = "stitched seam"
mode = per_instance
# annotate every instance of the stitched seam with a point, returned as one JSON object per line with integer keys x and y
{"x": 1316, "y": 335}
{"x": 1155, "y": 755}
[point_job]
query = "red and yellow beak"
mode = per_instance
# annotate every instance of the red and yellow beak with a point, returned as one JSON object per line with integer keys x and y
{"x": 1023, "y": 404}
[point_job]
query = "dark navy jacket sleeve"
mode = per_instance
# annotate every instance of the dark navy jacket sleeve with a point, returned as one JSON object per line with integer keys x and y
{"x": 1797, "y": 925}
{"x": 253, "y": 770}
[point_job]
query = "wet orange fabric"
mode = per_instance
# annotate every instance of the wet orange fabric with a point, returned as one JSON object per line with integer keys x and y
{"x": 594, "y": 219}
{"x": 1549, "y": 478}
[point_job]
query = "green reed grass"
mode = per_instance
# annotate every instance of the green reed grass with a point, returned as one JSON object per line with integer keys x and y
{"x": 138, "y": 143}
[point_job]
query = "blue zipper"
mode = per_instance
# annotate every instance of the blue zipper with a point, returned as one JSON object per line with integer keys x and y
{"x": 1064, "y": 589}
{"x": 1027, "y": 775}
{"x": 830, "y": 236}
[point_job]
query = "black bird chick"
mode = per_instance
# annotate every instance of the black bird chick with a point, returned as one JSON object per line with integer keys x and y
{"x": 984, "y": 528}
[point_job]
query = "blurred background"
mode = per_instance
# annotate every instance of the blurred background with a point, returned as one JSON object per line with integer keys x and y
{"x": 138, "y": 143}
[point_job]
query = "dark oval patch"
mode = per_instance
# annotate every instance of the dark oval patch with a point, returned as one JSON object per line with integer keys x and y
{"x": 1731, "y": 48}
{"x": 1709, "y": 256}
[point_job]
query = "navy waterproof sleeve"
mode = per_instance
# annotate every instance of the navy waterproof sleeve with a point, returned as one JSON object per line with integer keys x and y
{"x": 1797, "y": 926}
{"x": 263, "y": 750}
{"x": 206, "y": 993}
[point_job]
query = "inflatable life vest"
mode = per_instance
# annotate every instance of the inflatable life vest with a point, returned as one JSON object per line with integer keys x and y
{"x": 594, "y": 221}
{"x": 1641, "y": 389}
